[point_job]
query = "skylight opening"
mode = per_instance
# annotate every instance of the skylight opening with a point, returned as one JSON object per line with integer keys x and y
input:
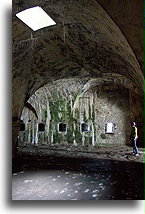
{"x": 36, "y": 18}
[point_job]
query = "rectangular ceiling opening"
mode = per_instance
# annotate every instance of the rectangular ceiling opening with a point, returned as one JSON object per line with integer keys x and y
{"x": 36, "y": 18}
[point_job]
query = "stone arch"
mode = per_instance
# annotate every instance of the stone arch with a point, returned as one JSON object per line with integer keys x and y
{"x": 85, "y": 43}
{"x": 74, "y": 102}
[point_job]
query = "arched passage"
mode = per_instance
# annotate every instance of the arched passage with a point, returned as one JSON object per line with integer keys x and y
{"x": 74, "y": 102}
{"x": 86, "y": 42}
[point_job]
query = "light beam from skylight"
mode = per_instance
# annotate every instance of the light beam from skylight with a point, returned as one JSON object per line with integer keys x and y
{"x": 36, "y": 18}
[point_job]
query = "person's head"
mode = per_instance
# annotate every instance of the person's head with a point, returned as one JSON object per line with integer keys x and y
{"x": 133, "y": 124}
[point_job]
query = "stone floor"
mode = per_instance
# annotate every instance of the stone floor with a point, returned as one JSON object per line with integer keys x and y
{"x": 105, "y": 174}
{"x": 111, "y": 152}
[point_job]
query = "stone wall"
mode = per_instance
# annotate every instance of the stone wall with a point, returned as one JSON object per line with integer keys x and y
{"x": 73, "y": 102}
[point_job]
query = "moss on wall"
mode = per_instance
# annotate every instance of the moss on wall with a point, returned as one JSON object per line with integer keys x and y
{"x": 73, "y": 107}
{"x": 44, "y": 114}
{"x": 103, "y": 136}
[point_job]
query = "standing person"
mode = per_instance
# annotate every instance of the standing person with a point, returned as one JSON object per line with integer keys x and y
{"x": 133, "y": 138}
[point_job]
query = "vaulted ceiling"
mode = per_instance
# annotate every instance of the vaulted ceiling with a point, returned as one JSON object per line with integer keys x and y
{"x": 95, "y": 38}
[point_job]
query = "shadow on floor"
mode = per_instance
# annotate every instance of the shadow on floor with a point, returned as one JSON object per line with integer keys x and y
{"x": 114, "y": 180}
